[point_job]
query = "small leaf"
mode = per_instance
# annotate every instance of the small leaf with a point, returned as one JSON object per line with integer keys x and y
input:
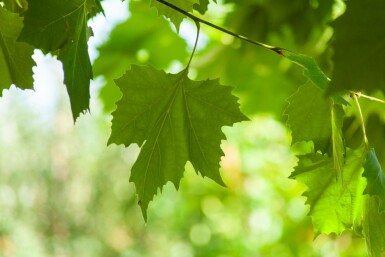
{"x": 375, "y": 179}
{"x": 334, "y": 204}
{"x": 174, "y": 120}
{"x": 15, "y": 57}
{"x": 175, "y": 17}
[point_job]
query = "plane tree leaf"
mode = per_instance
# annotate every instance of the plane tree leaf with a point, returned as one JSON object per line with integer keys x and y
{"x": 61, "y": 27}
{"x": 174, "y": 120}
{"x": 359, "y": 47}
{"x": 15, "y": 57}
{"x": 333, "y": 202}
{"x": 375, "y": 178}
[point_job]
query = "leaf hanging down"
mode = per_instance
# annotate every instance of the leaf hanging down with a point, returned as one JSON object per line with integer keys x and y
{"x": 174, "y": 120}
{"x": 309, "y": 117}
{"x": 375, "y": 178}
{"x": 374, "y": 228}
{"x": 334, "y": 204}
{"x": 175, "y": 17}
{"x": 359, "y": 47}
{"x": 15, "y": 57}
{"x": 54, "y": 25}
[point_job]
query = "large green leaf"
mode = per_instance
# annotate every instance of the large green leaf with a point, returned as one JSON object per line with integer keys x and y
{"x": 62, "y": 25}
{"x": 174, "y": 120}
{"x": 334, "y": 203}
{"x": 175, "y": 17}
{"x": 359, "y": 47}
{"x": 375, "y": 178}
{"x": 15, "y": 57}
{"x": 374, "y": 228}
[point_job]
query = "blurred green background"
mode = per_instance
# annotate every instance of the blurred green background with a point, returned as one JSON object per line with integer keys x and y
{"x": 64, "y": 193}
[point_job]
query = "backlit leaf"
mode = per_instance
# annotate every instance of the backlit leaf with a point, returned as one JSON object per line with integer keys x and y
{"x": 174, "y": 120}
{"x": 333, "y": 202}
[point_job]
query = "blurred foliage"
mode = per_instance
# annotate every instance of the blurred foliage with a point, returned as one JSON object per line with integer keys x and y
{"x": 63, "y": 193}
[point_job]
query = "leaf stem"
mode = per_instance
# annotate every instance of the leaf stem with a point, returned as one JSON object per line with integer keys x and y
{"x": 359, "y": 94}
{"x": 196, "y": 42}
{"x": 355, "y": 96}
{"x": 275, "y": 49}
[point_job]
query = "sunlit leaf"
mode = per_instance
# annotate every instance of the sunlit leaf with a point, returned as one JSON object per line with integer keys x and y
{"x": 333, "y": 202}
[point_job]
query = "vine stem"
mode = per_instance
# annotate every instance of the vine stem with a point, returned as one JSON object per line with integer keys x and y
{"x": 275, "y": 49}
{"x": 355, "y": 96}
{"x": 359, "y": 94}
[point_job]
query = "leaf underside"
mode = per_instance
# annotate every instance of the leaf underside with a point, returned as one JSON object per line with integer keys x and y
{"x": 174, "y": 120}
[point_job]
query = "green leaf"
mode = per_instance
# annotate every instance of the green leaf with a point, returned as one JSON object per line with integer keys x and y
{"x": 175, "y": 17}
{"x": 15, "y": 57}
{"x": 374, "y": 228}
{"x": 375, "y": 178}
{"x": 309, "y": 117}
{"x": 310, "y": 68}
{"x": 333, "y": 203}
{"x": 64, "y": 28}
{"x": 174, "y": 120}
{"x": 359, "y": 47}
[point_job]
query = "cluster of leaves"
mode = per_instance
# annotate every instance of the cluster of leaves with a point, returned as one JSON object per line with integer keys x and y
{"x": 175, "y": 119}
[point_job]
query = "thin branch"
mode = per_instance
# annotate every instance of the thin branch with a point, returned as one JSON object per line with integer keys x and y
{"x": 359, "y": 94}
{"x": 278, "y": 50}
{"x": 362, "y": 121}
